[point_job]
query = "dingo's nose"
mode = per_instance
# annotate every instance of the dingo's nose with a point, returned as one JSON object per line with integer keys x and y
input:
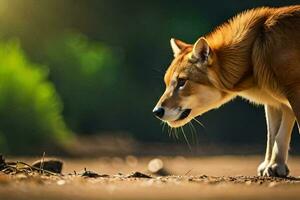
{"x": 159, "y": 112}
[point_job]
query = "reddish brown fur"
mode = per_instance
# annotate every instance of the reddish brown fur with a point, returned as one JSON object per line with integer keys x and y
{"x": 258, "y": 49}
{"x": 246, "y": 46}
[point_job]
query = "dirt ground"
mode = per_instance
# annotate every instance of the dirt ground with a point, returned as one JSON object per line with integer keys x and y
{"x": 215, "y": 177}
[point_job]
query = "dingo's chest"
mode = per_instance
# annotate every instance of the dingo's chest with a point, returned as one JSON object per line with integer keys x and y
{"x": 265, "y": 97}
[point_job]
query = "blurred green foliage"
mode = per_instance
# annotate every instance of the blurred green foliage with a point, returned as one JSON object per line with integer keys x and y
{"x": 30, "y": 110}
{"x": 87, "y": 76}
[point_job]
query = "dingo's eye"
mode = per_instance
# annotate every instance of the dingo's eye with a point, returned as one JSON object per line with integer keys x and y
{"x": 181, "y": 83}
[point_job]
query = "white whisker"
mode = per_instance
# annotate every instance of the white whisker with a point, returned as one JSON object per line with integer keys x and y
{"x": 196, "y": 120}
{"x": 187, "y": 141}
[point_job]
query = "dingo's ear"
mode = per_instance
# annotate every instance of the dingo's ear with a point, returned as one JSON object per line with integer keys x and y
{"x": 201, "y": 50}
{"x": 177, "y": 46}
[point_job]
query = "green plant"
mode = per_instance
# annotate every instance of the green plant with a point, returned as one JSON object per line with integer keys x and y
{"x": 30, "y": 109}
{"x": 88, "y": 77}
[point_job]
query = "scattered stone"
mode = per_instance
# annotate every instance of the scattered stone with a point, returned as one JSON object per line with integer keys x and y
{"x": 61, "y": 182}
{"x": 21, "y": 176}
{"x": 51, "y": 165}
{"x": 156, "y": 167}
{"x": 248, "y": 182}
{"x": 138, "y": 175}
{"x": 91, "y": 174}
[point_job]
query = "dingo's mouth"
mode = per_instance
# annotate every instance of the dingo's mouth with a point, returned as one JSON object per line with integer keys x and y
{"x": 182, "y": 119}
{"x": 184, "y": 114}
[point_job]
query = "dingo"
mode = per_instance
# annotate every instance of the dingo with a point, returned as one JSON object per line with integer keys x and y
{"x": 255, "y": 55}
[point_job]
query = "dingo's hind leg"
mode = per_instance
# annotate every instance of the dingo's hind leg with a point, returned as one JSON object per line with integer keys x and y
{"x": 273, "y": 119}
{"x": 277, "y": 165}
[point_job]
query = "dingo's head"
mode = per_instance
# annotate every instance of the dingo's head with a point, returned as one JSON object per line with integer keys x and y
{"x": 189, "y": 84}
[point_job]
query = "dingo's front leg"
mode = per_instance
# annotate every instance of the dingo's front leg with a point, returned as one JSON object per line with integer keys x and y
{"x": 277, "y": 165}
{"x": 273, "y": 119}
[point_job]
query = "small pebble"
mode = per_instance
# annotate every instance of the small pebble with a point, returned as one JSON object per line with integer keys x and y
{"x": 51, "y": 165}
{"x": 61, "y": 182}
{"x": 138, "y": 175}
{"x": 155, "y": 165}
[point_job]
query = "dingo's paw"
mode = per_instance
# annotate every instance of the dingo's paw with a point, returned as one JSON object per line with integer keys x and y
{"x": 276, "y": 169}
{"x": 261, "y": 168}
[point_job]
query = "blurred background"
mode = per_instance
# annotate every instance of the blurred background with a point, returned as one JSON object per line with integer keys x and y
{"x": 82, "y": 77}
